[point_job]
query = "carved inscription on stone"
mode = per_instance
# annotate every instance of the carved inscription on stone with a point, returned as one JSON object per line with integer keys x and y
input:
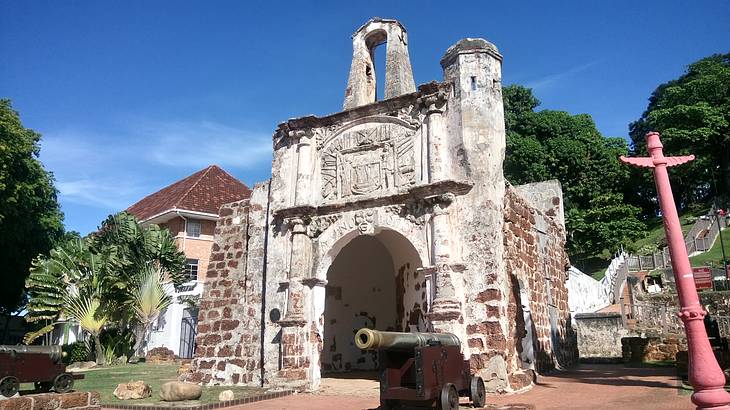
{"x": 359, "y": 162}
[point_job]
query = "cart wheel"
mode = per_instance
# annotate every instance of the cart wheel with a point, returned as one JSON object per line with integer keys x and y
{"x": 449, "y": 397}
{"x": 63, "y": 383}
{"x": 9, "y": 386}
{"x": 477, "y": 392}
{"x": 43, "y": 386}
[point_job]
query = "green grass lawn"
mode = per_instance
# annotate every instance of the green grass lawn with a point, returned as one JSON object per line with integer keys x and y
{"x": 714, "y": 255}
{"x": 106, "y": 379}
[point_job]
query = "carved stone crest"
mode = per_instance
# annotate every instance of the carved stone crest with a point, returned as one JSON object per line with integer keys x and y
{"x": 363, "y": 161}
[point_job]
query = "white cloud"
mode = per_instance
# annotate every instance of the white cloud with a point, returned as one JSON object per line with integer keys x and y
{"x": 204, "y": 143}
{"x": 116, "y": 169}
{"x": 553, "y": 79}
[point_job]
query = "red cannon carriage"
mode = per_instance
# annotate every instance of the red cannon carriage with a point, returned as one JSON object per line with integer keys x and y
{"x": 420, "y": 369}
{"x": 41, "y": 365}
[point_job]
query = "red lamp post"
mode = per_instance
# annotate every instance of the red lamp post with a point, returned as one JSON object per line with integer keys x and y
{"x": 705, "y": 374}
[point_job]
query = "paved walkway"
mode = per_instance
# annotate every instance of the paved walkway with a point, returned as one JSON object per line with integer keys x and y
{"x": 589, "y": 387}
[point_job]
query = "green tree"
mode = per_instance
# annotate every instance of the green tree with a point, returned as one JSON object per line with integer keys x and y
{"x": 551, "y": 144}
{"x": 30, "y": 217}
{"x": 607, "y": 224}
{"x": 692, "y": 113}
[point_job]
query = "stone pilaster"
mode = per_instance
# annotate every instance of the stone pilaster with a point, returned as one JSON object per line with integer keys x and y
{"x": 438, "y": 167}
{"x": 304, "y": 166}
{"x": 298, "y": 267}
{"x": 446, "y": 308}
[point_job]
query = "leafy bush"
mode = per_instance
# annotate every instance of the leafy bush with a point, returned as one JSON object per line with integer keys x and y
{"x": 116, "y": 343}
{"x": 76, "y": 352}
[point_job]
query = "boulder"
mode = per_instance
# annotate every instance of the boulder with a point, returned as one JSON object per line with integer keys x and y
{"x": 160, "y": 355}
{"x": 226, "y": 395}
{"x": 133, "y": 390}
{"x": 80, "y": 366}
{"x": 179, "y": 391}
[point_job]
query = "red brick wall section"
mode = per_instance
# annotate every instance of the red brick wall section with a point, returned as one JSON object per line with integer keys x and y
{"x": 536, "y": 258}
{"x": 229, "y": 318}
{"x": 53, "y": 401}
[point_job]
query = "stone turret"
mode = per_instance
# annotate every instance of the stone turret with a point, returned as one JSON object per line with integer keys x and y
{"x": 361, "y": 85}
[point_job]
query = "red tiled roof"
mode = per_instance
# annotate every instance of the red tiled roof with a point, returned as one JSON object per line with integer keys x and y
{"x": 204, "y": 191}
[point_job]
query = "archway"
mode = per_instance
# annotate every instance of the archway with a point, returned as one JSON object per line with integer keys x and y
{"x": 374, "y": 281}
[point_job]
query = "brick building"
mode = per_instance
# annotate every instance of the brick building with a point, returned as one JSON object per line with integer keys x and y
{"x": 188, "y": 208}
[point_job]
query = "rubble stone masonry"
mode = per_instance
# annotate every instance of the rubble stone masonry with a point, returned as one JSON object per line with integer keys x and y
{"x": 228, "y": 338}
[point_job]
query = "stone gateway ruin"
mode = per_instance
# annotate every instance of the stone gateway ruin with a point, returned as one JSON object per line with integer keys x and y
{"x": 393, "y": 214}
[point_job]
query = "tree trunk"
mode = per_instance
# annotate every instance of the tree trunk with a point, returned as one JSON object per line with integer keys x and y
{"x": 100, "y": 359}
{"x": 141, "y": 338}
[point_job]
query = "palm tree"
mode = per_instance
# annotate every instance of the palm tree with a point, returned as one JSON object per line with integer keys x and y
{"x": 87, "y": 311}
{"x": 68, "y": 284}
{"x": 149, "y": 299}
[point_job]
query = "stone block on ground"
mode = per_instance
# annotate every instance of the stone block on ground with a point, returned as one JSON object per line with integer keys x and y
{"x": 133, "y": 390}
{"x": 180, "y": 391}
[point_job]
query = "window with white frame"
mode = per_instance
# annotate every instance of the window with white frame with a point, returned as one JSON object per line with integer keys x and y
{"x": 192, "y": 228}
{"x": 191, "y": 270}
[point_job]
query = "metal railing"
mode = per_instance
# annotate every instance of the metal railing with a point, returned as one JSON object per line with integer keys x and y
{"x": 700, "y": 238}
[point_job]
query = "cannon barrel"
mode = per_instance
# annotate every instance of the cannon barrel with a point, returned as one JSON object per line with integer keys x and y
{"x": 368, "y": 339}
{"x": 54, "y": 352}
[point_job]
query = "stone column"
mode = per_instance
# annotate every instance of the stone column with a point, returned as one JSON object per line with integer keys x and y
{"x": 446, "y": 306}
{"x": 294, "y": 332}
{"x": 304, "y": 166}
{"x": 298, "y": 264}
{"x": 434, "y": 105}
{"x": 300, "y": 245}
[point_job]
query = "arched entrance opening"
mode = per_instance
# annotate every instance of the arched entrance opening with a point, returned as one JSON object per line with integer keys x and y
{"x": 374, "y": 281}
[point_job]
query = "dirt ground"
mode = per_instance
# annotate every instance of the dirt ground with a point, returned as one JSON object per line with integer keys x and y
{"x": 588, "y": 387}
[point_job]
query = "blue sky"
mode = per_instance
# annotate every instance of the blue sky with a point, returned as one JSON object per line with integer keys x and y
{"x": 131, "y": 96}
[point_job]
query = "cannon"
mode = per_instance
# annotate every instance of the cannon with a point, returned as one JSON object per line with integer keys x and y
{"x": 421, "y": 369}
{"x": 41, "y": 365}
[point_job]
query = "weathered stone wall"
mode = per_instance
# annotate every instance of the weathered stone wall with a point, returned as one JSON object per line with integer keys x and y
{"x": 229, "y": 329}
{"x": 599, "y": 336}
{"x": 536, "y": 263}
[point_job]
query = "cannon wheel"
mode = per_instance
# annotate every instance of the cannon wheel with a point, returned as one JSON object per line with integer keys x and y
{"x": 63, "y": 383}
{"x": 43, "y": 386}
{"x": 449, "y": 397}
{"x": 9, "y": 386}
{"x": 477, "y": 392}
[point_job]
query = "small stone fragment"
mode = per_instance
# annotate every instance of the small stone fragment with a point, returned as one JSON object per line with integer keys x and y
{"x": 226, "y": 395}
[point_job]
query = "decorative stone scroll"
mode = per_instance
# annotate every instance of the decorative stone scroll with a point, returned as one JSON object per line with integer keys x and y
{"x": 380, "y": 157}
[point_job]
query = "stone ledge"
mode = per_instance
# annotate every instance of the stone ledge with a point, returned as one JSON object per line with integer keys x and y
{"x": 53, "y": 401}
{"x": 417, "y": 192}
{"x": 208, "y": 406}
{"x": 597, "y": 315}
